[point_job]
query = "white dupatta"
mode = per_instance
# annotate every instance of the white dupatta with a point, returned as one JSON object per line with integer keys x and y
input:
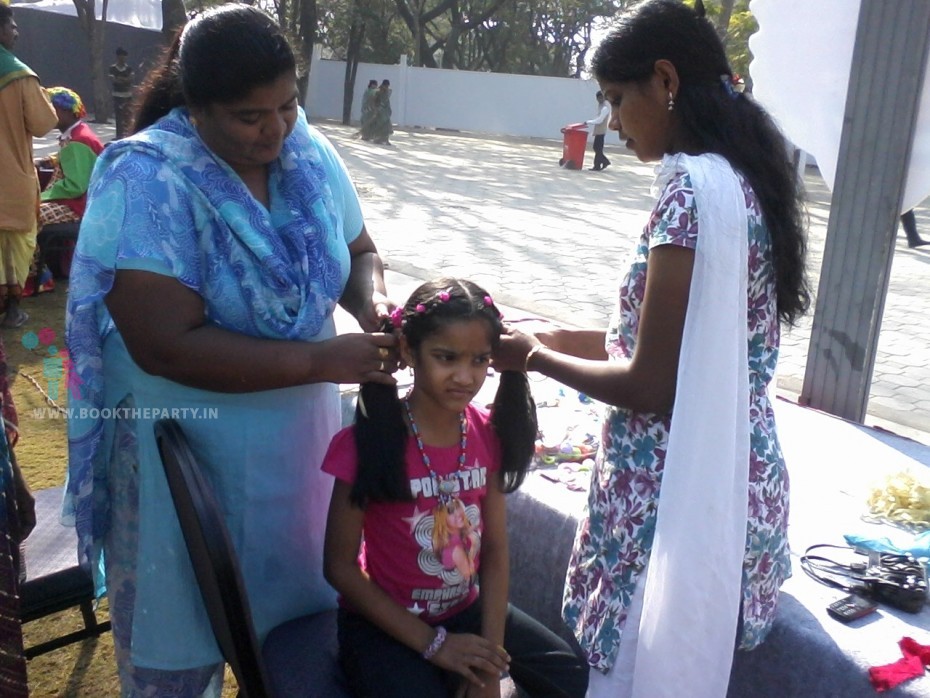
{"x": 692, "y": 591}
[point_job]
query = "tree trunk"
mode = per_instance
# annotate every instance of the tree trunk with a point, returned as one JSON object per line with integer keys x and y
{"x": 95, "y": 32}
{"x": 173, "y": 17}
{"x": 723, "y": 20}
{"x": 102, "y": 96}
{"x": 353, "y": 52}
{"x": 308, "y": 21}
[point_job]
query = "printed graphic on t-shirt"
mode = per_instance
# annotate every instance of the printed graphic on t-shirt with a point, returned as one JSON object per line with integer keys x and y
{"x": 449, "y": 538}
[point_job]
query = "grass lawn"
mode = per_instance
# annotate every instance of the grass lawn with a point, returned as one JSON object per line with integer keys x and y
{"x": 87, "y": 668}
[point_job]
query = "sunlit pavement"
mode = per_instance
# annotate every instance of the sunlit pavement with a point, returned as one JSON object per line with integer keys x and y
{"x": 552, "y": 242}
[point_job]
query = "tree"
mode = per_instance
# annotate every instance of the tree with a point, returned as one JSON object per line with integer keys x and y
{"x": 173, "y": 17}
{"x": 546, "y": 37}
{"x": 95, "y": 31}
{"x": 723, "y": 20}
{"x": 735, "y": 24}
{"x": 353, "y": 52}
{"x": 464, "y": 20}
{"x": 298, "y": 19}
{"x": 742, "y": 26}
{"x": 541, "y": 37}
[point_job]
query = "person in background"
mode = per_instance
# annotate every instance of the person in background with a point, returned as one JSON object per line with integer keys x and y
{"x": 121, "y": 91}
{"x": 909, "y": 223}
{"x": 422, "y": 481}
{"x": 381, "y": 127}
{"x": 600, "y": 131}
{"x": 217, "y": 241}
{"x": 369, "y": 101}
{"x": 684, "y": 368}
{"x": 65, "y": 196}
{"x": 25, "y": 113}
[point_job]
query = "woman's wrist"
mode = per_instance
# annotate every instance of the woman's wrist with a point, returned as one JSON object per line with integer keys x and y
{"x": 314, "y": 362}
{"x": 530, "y": 355}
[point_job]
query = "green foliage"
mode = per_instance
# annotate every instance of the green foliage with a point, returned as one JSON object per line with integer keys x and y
{"x": 385, "y": 37}
{"x": 532, "y": 37}
{"x": 541, "y": 37}
{"x": 741, "y": 26}
{"x": 536, "y": 37}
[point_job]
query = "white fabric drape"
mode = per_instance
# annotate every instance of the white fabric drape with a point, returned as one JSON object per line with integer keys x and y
{"x": 802, "y": 58}
{"x": 692, "y": 592}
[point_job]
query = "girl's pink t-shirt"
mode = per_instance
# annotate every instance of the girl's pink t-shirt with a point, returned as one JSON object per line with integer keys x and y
{"x": 398, "y": 550}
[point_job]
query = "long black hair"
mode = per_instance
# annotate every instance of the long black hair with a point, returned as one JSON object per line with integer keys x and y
{"x": 380, "y": 430}
{"x": 715, "y": 119}
{"x": 219, "y": 56}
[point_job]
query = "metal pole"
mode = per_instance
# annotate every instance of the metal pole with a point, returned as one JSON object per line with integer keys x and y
{"x": 886, "y": 78}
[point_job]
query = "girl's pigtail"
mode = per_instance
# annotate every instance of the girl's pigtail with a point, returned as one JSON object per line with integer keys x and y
{"x": 381, "y": 441}
{"x": 514, "y": 420}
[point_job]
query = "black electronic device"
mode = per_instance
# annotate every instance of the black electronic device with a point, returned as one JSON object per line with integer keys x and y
{"x": 851, "y": 607}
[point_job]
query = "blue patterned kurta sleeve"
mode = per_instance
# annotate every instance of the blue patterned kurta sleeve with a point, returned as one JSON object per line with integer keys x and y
{"x": 144, "y": 198}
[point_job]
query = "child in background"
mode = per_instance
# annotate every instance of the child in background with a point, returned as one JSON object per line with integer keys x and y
{"x": 412, "y": 621}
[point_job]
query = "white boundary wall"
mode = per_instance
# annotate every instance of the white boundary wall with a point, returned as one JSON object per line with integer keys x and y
{"x": 497, "y": 103}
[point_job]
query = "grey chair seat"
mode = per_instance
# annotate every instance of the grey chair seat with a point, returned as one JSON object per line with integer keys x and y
{"x": 53, "y": 579}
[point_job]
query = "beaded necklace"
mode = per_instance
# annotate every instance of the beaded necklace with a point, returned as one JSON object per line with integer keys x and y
{"x": 447, "y": 487}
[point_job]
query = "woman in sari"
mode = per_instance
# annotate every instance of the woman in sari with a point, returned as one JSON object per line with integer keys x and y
{"x": 381, "y": 128}
{"x": 368, "y": 110}
{"x": 217, "y": 241}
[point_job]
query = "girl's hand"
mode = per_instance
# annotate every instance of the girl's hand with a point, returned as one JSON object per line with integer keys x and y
{"x": 513, "y": 349}
{"x": 478, "y": 660}
{"x": 492, "y": 688}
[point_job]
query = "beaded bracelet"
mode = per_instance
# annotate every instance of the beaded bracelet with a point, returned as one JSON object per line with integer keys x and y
{"x": 436, "y": 644}
{"x": 530, "y": 354}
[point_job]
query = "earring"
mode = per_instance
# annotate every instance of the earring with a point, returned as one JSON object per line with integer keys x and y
{"x": 671, "y": 102}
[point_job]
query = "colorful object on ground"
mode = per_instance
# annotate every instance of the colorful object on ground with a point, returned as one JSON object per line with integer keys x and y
{"x": 903, "y": 500}
{"x": 566, "y": 452}
{"x": 911, "y": 665}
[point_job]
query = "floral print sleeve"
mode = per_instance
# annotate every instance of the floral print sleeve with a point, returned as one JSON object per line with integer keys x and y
{"x": 675, "y": 218}
{"x": 673, "y": 221}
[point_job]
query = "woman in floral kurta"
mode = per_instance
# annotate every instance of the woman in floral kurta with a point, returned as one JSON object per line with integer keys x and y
{"x": 684, "y": 368}
{"x": 614, "y": 540}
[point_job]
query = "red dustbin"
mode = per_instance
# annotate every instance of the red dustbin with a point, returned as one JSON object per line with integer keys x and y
{"x": 574, "y": 140}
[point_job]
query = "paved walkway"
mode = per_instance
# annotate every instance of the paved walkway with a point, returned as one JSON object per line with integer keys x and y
{"x": 552, "y": 242}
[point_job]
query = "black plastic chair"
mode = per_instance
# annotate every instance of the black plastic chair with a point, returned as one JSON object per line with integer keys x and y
{"x": 299, "y": 657}
{"x": 54, "y": 581}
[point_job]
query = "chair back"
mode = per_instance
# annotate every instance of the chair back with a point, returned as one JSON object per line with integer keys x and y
{"x": 214, "y": 560}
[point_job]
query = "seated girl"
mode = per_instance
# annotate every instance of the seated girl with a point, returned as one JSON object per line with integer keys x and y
{"x": 416, "y": 540}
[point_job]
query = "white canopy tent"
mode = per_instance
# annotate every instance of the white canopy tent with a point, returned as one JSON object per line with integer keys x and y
{"x": 145, "y": 14}
{"x": 802, "y": 58}
{"x": 848, "y": 81}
